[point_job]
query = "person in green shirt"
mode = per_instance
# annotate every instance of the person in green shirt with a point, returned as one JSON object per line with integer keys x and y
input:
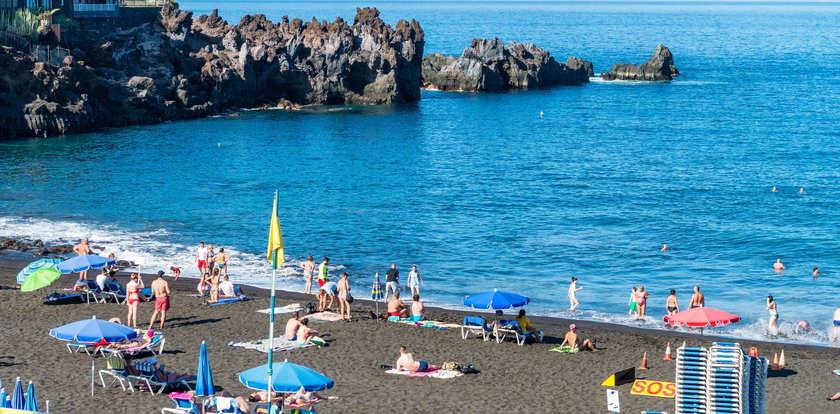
{"x": 323, "y": 275}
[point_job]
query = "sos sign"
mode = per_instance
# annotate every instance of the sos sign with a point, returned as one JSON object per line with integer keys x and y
{"x": 654, "y": 388}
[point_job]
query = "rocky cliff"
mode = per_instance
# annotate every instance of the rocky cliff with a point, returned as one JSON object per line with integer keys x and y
{"x": 490, "y": 65}
{"x": 181, "y": 67}
{"x": 660, "y": 67}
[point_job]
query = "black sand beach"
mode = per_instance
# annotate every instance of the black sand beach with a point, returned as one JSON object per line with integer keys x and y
{"x": 512, "y": 378}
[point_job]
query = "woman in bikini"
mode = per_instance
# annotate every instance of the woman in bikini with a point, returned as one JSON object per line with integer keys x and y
{"x": 343, "y": 291}
{"x": 133, "y": 297}
{"x": 773, "y": 325}
{"x": 641, "y": 302}
{"x": 214, "y": 286}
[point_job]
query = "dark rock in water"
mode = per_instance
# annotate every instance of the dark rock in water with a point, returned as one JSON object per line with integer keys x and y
{"x": 660, "y": 67}
{"x": 36, "y": 247}
{"x": 489, "y": 65}
{"x": 180, "y": 67}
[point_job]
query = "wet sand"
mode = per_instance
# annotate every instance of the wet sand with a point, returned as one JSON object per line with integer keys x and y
{"x": 512, "y": 378}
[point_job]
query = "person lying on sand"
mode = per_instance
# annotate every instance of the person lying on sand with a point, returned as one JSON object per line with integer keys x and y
{"x": 147, "y": 339}
{"x": 292, "y": 326}
{"x": 302, "y": 397}
{"x": 575, "y": 343}
{"x": 406, "y": 362}
{"x": 396, "y": 307}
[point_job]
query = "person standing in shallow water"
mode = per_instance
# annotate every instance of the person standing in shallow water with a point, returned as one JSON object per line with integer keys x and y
{"x": 773, "y": 324}
{"x": 697, "y": 299}
{"x": 778, "y": 266}
{"x": 641, "y": 302}
{"x": 323, "y": 272}
{"x": 573, "y": 289}
{"x": 671, "y": 304}
{"x": 308, "y": 273}
{"x": 632, "y": 303}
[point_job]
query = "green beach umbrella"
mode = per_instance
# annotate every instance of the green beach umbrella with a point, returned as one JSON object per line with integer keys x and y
{"x": 41, "y": 278}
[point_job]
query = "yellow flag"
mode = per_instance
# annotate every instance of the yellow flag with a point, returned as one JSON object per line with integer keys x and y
{"x": 275, "y": 238}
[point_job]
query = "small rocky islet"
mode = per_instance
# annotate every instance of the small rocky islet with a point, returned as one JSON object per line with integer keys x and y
{"x": 180, "y": 67}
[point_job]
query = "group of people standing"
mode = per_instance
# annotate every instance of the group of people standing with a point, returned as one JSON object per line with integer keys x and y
{"x": 330, "y": 291}
{"x": 211, "y": 267}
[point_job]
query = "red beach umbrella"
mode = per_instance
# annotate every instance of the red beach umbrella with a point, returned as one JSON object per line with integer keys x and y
{"x": 701, "y": 317}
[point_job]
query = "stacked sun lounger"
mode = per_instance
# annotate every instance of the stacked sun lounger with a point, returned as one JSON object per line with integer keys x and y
{"x": 721, "y": 379}
{"x": 692, "y": 365}
{"x": 756, "y": 383}
{"x": 726, "y": 385}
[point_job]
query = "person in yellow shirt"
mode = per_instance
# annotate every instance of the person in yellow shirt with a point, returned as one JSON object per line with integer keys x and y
{"x": 527, "y": 327}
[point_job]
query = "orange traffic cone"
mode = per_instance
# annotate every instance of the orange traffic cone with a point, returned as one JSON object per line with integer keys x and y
{"x": 782, "y": 359}
{"x": 775, "y": 366}
{"x": 683, "y": 344}
{"x": 644, "y": 362}
{"x": 668, "y": 353}
{"x": 753, "y": 351}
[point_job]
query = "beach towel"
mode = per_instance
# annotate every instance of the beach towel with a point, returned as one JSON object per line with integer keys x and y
{"x": 325, "y": 316}
{"x": 425, "y": 324}
{"x": 283, "y": 309}
{"x": 240, "y": 298}
{"x": 435, "y": 373}
{"x": 836, "y": 372}
{"x": 280, "y": 344}
{"x": 63, "y": 296}
{"x": 565, "y": 350}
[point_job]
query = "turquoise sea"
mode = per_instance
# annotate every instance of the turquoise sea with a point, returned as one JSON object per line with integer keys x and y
{"x": 480, "y": 191}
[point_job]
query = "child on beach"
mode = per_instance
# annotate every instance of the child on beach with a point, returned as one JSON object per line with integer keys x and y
{"x": 175, "y": 271}
{"x": 632, "y": 303}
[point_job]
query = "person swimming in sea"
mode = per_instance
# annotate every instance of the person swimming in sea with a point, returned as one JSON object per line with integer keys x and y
{"x": 778, "y": 266}
{"x": 816, "y": 272}
{"x": 665, "y": 248}
{"x": 774, "y": 189}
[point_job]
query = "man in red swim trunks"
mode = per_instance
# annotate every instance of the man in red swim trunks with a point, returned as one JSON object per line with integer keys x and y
{"x": 201, "y": 258}
{"x": 161, "y": 291}
{"x": 396, "y": 307}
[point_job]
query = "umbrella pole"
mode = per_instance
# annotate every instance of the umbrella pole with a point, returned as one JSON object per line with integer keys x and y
{"x": 92, "y": 370}
{"x": 271, "y": 330}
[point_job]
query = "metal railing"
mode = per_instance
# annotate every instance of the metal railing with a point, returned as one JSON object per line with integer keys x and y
{"x": 142, "y": 3}
{"x": 83, "y": 7}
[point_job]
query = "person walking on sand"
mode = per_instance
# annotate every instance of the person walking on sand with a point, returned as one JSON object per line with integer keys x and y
{"x": 671, "y": 304}
{"x": 641, "y": 302}
{"x": 201, "y": 258}
{"x": 415, "y": 281}
{"x": 343, "y": 296}
{"x": 697, "y": 299}
{"x": 573, "y": 289}
{"x": 133, "y": 298}
{"x": 222, "y": 260}
{"x": 308, "y": 273}
{"x": 160, "y": 288}
{"x": 323, "y": 272}
{"x": 778, "y": 266}
{"x": 773, "y": 324}
{"x": 392, "y": 280}
{"x": 82, "y": 249}
{"x": 632, "y": 303}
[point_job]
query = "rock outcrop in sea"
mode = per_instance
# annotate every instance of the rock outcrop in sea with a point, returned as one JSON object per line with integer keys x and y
{"x": 660, "y": 67}
{"x": 180, "y": 67}
{"x": 490, "y": 65}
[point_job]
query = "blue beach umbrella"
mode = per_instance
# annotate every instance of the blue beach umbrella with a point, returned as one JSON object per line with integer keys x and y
{"x": 496, "y": 300}
{"x": 84, "y": 262}
{"x": 17, "y": 397}
{"x": 3, "y": 397}
{"x": 36, "y": 265}
{"x": 7, "y": 402}
{"x": 93, "y": 331}
{"x": 204, "y": 382}
{"x": 31, "y": 403}
{"x": 286, "y": 377}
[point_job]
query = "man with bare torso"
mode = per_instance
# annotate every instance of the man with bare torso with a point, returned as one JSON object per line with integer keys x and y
{"x": 81, "y": 249}
{"x": 160, "y": 288}
{"x": 697, "y": 299}
{"x": 406, "y": 362}
{"x": 396, "y": 307}
{"x": 574, "y": 343}
{"x": 221, "y": 260}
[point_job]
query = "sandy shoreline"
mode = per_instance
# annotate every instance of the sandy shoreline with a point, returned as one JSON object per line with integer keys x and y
{"x": 517, "y": 378}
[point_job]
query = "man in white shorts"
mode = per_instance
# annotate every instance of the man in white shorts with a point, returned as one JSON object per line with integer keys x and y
{"x": 392, "y": 280}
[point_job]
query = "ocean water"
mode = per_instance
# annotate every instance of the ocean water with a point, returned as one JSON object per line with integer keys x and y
{"x": 480, "y": 191}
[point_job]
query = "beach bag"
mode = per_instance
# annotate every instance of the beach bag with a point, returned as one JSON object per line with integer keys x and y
{"x": 469, "y": 369}
{"x": 309, "y": 308}
{"x": 317, "y": 341}
{"x": 349, "y": 298}
{"x": 451, "y": 366}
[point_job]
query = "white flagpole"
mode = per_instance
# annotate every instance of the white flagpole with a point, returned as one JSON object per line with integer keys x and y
{"x": 271, "y": 322}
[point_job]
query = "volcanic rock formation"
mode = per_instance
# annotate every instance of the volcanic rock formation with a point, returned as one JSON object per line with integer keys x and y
{"x": 181, "y": 67}
{"x": 489, "y": 65}
{"x": 660, "y": 67}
